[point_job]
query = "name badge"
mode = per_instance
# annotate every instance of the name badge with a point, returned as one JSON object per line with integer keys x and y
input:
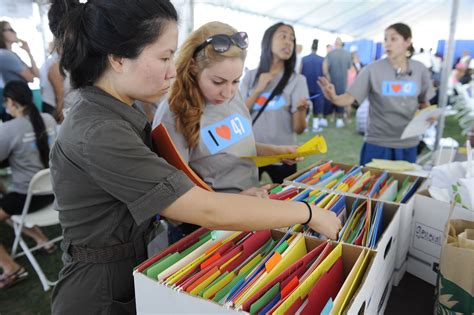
{"x": 399, "y": 88}
{"x": 225, "y": 133}
{"x": 276, "y": 103}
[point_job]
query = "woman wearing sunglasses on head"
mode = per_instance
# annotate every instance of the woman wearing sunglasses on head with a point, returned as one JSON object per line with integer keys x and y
{"x": 108, "y": 182}
{"x": 276, "y": 95}
{"x": 206, "y": 115}
{"x": 396, "y": 87}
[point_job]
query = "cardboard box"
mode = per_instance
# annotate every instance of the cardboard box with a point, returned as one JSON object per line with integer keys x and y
{"x": 373, "y": 293}
{"x": 386, "y": 247}
{"x": 381, "y": 297}
{"x": 406, "y": 209}
{"x": 427, "y": 234}
{"x": 398, "y": 273}
{"x": 153, "y": 297}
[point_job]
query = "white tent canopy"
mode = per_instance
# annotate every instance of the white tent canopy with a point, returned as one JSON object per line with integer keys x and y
{"x": 360, "y": 18}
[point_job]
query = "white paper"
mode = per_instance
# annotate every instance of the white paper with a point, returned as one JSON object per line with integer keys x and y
{"x": 419, "y": 124}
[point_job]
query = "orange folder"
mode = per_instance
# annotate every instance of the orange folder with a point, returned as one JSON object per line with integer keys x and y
{"x": 163, "y": 146}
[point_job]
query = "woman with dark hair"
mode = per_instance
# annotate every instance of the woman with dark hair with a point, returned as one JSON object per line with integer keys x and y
{"x": 11, "y": 66}
{"x": 108, "y": 182}
{"x": 24, "y": 146}
{"x": 276, "y": 95}
{"x": 396, "y": 88}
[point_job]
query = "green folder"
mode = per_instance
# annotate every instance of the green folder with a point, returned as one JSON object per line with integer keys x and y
{"x": 283, "y": 246}
{"x": 162, "y": 265}
{"x": 170, "y": 259}
{"x": 276, "y": 189}
{"x": 265, "y": 299}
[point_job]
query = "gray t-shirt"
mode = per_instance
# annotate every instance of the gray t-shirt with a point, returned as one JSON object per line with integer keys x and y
{"x": 225, "y": 136}
{"x": 339, "y": 61}
{"x": 18, "y": 145}
{"x": 11, "y": 66}
{"x": 394, "y": 99}
{"x": 275, "y": 125}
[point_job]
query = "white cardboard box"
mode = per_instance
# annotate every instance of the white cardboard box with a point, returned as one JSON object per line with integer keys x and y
{"x": 398, "y": 273}
{"x": 386, "y": 247}
{"x": 153, "y": 297}
{"x": 373, "y": 293}
{"x": 406, "y": 212}
{"x": 427, "y": 233}
{"x": 380, "y": 297}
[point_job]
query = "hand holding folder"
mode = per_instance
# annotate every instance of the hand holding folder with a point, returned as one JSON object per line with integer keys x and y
{"x": 421, "y": 122}
{"x": 316, "y": 145}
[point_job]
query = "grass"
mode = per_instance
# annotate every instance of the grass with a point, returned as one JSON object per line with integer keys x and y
{"x": 28, "y": 296}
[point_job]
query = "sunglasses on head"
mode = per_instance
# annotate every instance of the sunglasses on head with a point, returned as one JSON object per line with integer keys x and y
{"x": 9, "y": 30}
{"x": 222, "y": 42}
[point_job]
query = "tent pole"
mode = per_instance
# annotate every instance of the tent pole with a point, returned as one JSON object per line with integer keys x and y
{"x": 446, "y": 70}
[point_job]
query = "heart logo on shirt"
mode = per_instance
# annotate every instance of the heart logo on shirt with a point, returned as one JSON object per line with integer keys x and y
{"x": 396, "y": 87}
{"x": 261, "y": 100}
{"x": 223, "y": 132}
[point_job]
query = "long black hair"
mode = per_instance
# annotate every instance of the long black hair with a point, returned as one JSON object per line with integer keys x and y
{"x": 88, "y": 32}
{"x": 20, "y": 93}
{"x": 266, "y": 58}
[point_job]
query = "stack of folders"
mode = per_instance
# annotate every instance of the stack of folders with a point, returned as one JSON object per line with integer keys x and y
{"x": 260, "y": 274}
{"x": 362, "y": 225}
{"x": 356, "y": 181}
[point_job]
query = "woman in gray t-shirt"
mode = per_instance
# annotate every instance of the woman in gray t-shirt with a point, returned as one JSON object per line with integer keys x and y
{"x": 11, "y": 66}
{"x": 210, "y": 124}
{"x": 275, "y": 82}
{"x": 396, "y": 88}
{"x": 24, "y": 146}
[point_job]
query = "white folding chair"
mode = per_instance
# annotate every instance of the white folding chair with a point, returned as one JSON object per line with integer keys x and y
{"x": 40, "y": 184}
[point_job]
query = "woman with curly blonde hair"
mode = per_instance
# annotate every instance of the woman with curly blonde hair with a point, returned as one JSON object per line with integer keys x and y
{"x": 206, "y": 115}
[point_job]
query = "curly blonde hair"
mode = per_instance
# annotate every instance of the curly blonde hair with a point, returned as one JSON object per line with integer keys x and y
{"x": 186, "y": 100}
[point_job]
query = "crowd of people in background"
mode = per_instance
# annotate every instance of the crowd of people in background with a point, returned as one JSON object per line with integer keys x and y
{"x": 266, "y": 108}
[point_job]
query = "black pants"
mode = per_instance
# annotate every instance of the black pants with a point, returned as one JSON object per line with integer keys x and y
{"x": 277, "y": 172}
{"x": 13, "y": 202}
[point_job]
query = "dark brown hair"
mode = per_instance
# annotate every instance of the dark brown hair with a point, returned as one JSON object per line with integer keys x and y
{"x": 2, "y": 39}
{"x": 404, "y": 31}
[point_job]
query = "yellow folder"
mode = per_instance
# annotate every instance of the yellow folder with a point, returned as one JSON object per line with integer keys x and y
{"x": 316, "y": 145}
{"x": 351, "y": 283}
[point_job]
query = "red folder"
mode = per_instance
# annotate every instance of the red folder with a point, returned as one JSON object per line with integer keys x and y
{"x": 163, "y": 146}
{"x": 326, "y": 287}
{"x": 294, "y": 307}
